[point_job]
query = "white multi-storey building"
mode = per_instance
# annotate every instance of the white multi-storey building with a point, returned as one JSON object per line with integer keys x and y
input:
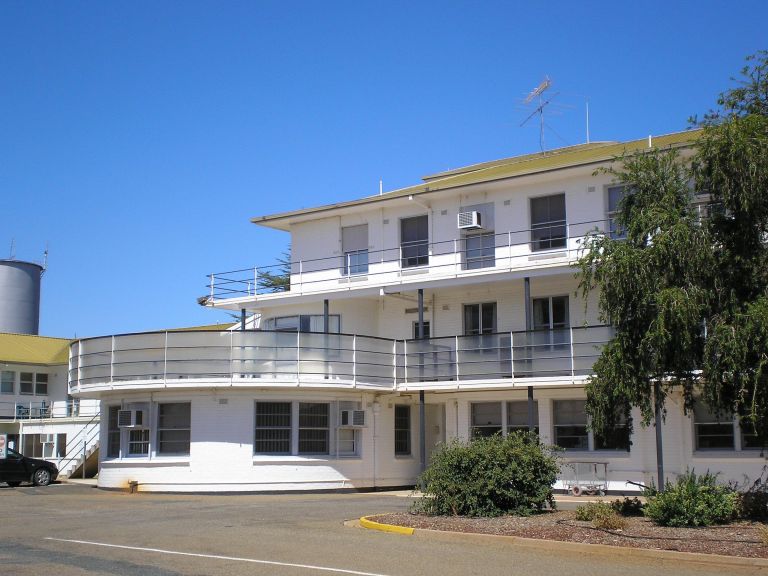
{"x": 37, "y": 415}
{"x": 443, "y": 310}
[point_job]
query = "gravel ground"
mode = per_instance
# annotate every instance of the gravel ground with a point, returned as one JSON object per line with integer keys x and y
{"x": 739, "y": 539}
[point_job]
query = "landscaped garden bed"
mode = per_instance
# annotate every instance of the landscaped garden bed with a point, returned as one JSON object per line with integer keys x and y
{"x": 736, "y": 539}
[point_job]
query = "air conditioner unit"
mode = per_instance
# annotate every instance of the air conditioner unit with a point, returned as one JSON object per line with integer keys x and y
{"x": 130, "y": 418}
{"x": 353, "y": 418}
{"x": 470, "y": 220}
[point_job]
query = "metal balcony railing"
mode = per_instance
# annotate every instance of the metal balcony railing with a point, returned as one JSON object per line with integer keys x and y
{"x": 548, "y": 244}
{"x": 264, "y": 358}
{"x": 36, "y": 410}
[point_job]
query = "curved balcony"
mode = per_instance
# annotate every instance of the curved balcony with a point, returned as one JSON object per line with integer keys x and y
{"x": 255, "y": 358}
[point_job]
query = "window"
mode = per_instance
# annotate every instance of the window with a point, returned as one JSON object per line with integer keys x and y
{"x": 486, "y": 419}
{"x": 314, "y": 428}
{"x": 61, "y": 445}
{"x": 26, "y": 383}
{"x": 354, "y": 246}
{"x": 113, "y": 433}
{"x": 41, "y": 384}
{"x": 402, "y": 430}
{"x": 304, "y": 323}
{"x": 616, "y": 439}
{"x": 479, "y": 318}
{"x": 615, "y": 196}
{"x": 416, "y": 330}
{"x": 550, "y": 325}
{"x": 414, "y": 241}
{"x": 138, "y": 442}
{"x": 7, "y": 381}
{"x": 548, "y": 228}
{"x": 173, "y": 428}
{"x": 571, "y": 424}
{"x": 480, "y": 251}
{"x": 273, "y": 428}
{"x": 38, "y": 445}
{"x": 721, "y": 432}
{"x": 517, "y": 416}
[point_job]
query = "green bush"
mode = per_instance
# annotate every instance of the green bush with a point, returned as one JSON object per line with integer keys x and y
{"x": 693, "y": 501}
{"x": 610, "y": 521}
{"x": 489, "y": 477}
{"x": 591, "y": 510}
{"x": 628, "y": 507}
{"x": 602, "y": 515}
{"x": 753, "y": 499}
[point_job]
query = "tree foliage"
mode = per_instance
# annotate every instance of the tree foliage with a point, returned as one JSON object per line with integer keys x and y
{"x": 278, "y": 277}
{"x": 689, "y": 299}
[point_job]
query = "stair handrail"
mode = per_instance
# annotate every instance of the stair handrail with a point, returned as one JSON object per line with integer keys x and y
{"x": 85, "y": 432}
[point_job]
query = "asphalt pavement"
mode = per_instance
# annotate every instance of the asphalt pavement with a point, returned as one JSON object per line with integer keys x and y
{"x": 78, "y": 530}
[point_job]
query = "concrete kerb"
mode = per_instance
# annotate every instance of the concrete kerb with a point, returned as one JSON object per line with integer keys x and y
{"x": 369, "y": 523}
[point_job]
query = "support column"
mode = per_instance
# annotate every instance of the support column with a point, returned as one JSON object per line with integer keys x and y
{"x": 528, "y": 326}
{"x": 659, "y": 445}
{"x": 421, "y": 314}
{"x": 422, "y": 406}
{"x": 422, "y": 432}
{"x": 242, "y": 319}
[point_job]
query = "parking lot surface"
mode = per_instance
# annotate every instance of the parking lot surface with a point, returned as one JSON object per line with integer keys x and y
{"x": 76, "y": 530}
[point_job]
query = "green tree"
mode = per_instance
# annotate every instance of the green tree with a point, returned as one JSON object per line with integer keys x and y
{"x": 278, "y": 277}
{"x": 689, "y": 300}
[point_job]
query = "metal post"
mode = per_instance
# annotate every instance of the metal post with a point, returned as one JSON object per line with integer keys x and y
{"x": 421, "y": 314}
{"x": 658, "y": 423}
{"x": 422, "y": 433}
{"x": 325, "y": 316}
{"x": 85, "y": 439}
{"x": 531, "y": 425}
{"x": 242, "y": 319}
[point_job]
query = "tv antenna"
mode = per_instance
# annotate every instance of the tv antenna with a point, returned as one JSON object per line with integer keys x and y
{"x": 538, "y": 94}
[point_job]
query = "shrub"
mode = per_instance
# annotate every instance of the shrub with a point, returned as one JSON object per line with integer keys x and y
{"x": 753, "y": 499}
{"x": 591, "y": 510}
{"x": 628, "y": 507}
{"x": 602, "y": 515}
{"x": 609, "y": 521}
{"x": 489, "y": 477}
{"x": 693, "y": 501}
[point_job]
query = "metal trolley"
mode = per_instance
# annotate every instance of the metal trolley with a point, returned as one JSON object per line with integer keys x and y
{"x": 586, "y": 477}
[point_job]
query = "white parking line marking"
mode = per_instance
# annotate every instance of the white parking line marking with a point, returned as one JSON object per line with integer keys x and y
{"x": 218, "y": 557}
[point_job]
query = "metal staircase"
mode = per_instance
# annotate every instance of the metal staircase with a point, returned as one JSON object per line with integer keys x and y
{"x": 82, "y": 453}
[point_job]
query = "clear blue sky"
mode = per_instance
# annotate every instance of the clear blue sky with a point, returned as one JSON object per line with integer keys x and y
{"x": 138, "y": 138}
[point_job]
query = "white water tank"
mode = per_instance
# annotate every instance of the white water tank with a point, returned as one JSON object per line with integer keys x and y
{"x": 20, "y": 296}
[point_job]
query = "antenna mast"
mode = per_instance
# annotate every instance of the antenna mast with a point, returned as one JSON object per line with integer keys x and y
{"x": 538, "y": 93}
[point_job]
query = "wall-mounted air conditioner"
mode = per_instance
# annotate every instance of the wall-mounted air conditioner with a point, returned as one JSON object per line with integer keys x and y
{"x": 130, "y": 418}
{"x": 469, "y": 220}
{"x": 352, "y": 418}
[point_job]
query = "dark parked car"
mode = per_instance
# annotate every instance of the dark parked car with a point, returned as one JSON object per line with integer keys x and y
{"x": 17, "y": 468}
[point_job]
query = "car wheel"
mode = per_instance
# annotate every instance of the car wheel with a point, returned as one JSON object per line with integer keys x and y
{"x": 41, "y": 477}
{"x": 14, "y": 484}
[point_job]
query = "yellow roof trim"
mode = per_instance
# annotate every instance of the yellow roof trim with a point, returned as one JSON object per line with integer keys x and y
{"x": 517, "y": 166}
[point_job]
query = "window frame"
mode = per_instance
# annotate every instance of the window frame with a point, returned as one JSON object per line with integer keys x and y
{"x": 420, "y": 245}
{"x": 540, "y": 242}
{"x": 729, "y": 422}
{"x": 39, "y": 391}
{"x": 4, "y": 381}
{"x": 160, "y": 430}
{"x": 612, "y": 228}
{"x": 257, "y": 427}
{"x": 28, "y": 382}
{"x": 406, "y": 431}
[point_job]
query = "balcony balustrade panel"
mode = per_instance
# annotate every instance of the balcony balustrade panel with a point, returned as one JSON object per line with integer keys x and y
{"x": 347, "y": 359}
